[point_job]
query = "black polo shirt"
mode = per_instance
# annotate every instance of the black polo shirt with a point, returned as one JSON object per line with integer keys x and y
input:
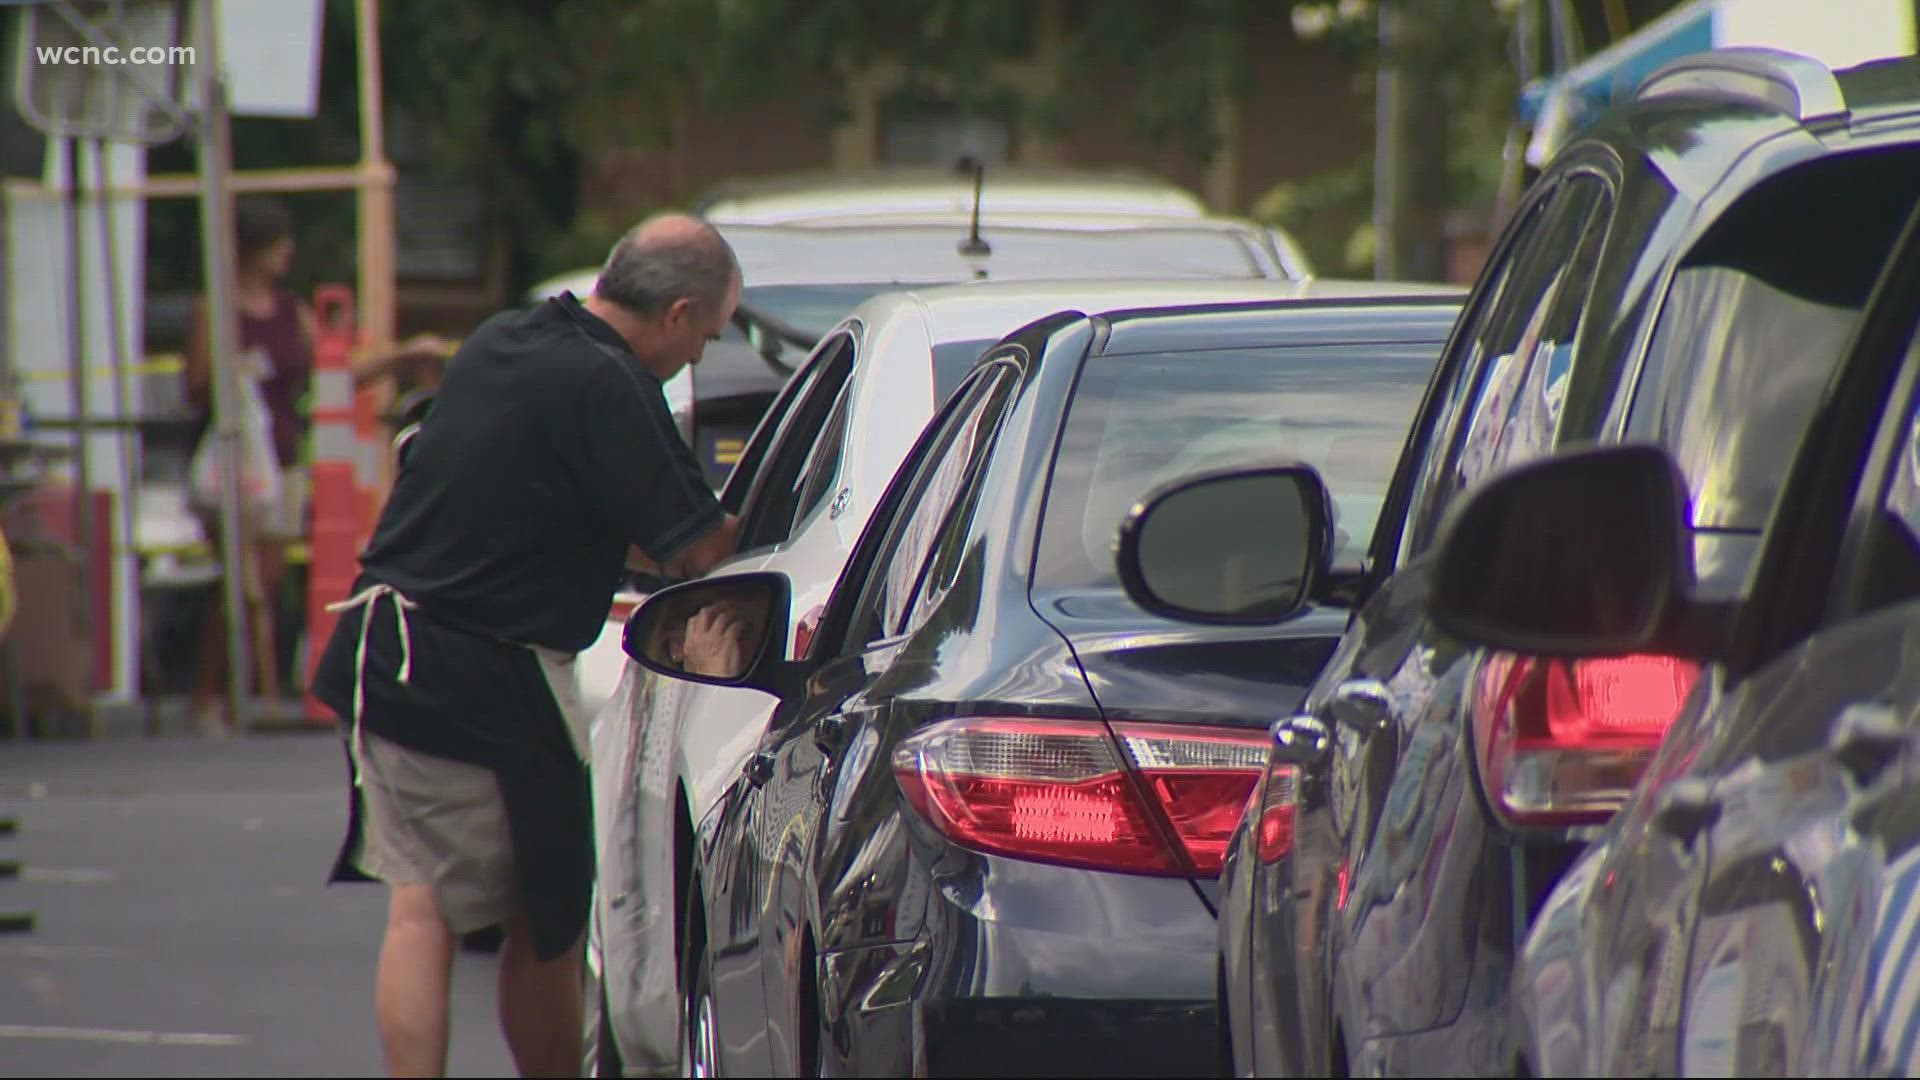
{"x": 548, "y": 451}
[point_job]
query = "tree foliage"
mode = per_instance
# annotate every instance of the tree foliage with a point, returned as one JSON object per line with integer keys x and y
{"x": 517, "y": 95}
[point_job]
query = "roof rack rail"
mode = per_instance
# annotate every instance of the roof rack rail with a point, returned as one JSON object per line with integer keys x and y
{"x": 1792, "y": 83}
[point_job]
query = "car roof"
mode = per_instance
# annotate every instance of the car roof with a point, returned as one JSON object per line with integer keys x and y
{"x": 992, "y": 310}
{"x": 1397, "y": 316}
{"x": 819, "y": 197}
{"x": 1701, "y": 123}
{"x": 928, "y": 254}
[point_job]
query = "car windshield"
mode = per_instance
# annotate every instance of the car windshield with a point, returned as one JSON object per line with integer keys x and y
{"x": 1137, "y": 422}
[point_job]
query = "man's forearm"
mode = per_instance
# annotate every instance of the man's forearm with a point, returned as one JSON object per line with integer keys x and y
{"x": 642, "y": 562}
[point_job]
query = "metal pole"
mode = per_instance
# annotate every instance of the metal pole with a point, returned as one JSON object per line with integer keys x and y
{"x": 376, "y": 300}
{"x": 1388, "y": 216}
{"x": 77, "y": 381}
{"x": 216, "y": 230}
{"x": 130, "y": 442}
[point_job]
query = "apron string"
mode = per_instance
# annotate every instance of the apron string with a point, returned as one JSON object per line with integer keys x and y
{"x": 368, "y": 599}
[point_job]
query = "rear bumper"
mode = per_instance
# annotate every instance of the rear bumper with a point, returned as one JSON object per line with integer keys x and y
{"x": 1065, "y": 1037}
{"x": 1022, "y": 969}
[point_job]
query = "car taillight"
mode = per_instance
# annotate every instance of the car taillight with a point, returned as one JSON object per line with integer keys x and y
{"x": 1561, "y": 742}
{"x": 1275, "y": 823}
{"x": 1059, "y": 791}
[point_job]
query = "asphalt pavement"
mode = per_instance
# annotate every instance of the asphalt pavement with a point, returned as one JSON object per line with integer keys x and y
{"x": 184, "y": 926}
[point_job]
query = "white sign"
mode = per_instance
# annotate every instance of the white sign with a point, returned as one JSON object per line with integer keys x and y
{"x": 271, "y": 52}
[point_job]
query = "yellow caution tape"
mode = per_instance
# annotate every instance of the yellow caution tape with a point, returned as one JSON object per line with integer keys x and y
{"x": 160, "y": 364}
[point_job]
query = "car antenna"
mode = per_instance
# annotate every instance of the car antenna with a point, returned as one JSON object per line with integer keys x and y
{"x": 973, "y": 246}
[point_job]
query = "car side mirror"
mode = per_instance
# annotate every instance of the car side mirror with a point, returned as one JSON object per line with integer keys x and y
{"x": 1588, "y": 553}
{"x": 723, "y": 631}
{"x": 1237, "y": 546}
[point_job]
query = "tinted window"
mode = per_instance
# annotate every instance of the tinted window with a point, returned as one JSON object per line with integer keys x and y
{"x": 1461, "y": 372}
{"x": 951, "y": 362}
{"x": 754, "y": 457}
{"x": 939, "y": 478}
{"x": 773, "y": 506}
{"x": 1140, "y": 421}
{"x": 1529, "y": 327}
{"x": 1755, "y": 322}
{"x": 807, "y": 310}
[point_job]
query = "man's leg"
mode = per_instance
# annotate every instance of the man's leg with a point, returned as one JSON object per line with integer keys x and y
{"x": 540, "y": 1003}
{"x": 416, "y": 967}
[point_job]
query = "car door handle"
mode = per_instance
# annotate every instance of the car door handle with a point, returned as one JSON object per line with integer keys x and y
{"x": 1364, "y": 705}
{"x": 1866, "y": 740}
{"x": 759, "y": 768}
{"x": 1687, "y": 808}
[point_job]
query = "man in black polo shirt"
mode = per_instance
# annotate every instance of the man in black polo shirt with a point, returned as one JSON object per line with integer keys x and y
{"x": 548, "y": 464}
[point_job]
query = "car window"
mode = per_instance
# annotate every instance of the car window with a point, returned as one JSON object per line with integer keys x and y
{"x": 823, "y": 464}
{"x": 1755, "y": 322}
{"x": 753, "y": 456}
{"x": 1464, "y": 371}
{"x": 939, "y": 480}
{"x": 1528, "y": 326}
{"x": 1890, "y": 572}
{"x": 770, "y": 510}
{"x": 952, "y": 360}
{"x": 1142, "y": 420}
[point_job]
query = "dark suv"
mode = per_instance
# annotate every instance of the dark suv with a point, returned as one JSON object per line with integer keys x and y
{"x": 1686, "y": 274}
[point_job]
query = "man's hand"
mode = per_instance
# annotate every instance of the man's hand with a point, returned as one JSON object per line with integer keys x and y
{"x": 716, "y": 643}
{"x": 715, "y": 547}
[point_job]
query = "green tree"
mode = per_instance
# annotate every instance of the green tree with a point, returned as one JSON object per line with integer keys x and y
{"x": 516, "y": 94}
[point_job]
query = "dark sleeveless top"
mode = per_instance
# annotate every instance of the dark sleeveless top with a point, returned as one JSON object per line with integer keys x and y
{"x": 290, "y": 361}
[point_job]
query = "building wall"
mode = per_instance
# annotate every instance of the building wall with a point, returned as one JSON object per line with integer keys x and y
{"x": 1301, "y": 115}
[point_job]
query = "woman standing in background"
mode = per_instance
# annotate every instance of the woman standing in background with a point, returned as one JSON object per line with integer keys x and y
{"x": 276, "y": 363}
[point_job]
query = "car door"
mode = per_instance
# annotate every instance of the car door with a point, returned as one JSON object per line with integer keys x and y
{"x": 709, "y": 728}
{"x": 773, "y": 810}
{"x": 841, "y": 733}
{"x": 712, "y": 726}
{"x": 1389, "y": 692}
{"x": 1801, "y": 952}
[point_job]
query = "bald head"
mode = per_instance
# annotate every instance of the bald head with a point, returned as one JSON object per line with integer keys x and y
{"x": 667, "y": 258}
{"x": 669, "y": 287}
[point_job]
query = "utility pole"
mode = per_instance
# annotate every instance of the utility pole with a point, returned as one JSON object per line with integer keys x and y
{"x": 223, "y": 324}
{"x": 1410, "y": 146}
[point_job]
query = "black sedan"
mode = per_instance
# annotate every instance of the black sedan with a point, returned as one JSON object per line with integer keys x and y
{"x": 983, "y": 832}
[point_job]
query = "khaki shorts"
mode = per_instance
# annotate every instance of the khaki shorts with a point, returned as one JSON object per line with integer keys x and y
{"x": 429, "y": 820}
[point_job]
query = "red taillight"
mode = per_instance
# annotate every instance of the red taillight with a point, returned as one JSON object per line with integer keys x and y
{"x": 1059, "y": 791}
{"x": 805, "y": 629}
{"x": 1561, "y": 742}
{"x": 1275, "y": 823}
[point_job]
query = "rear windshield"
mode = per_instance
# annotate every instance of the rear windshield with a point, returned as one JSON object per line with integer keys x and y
{"x": 1136, "y": 422}
{"x": 1755, "y": 322}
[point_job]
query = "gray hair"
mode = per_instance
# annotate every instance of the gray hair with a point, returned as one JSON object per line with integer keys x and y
{"x": 665, "y": 259}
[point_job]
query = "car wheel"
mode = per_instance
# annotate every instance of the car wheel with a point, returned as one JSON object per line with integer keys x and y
{"x": 699, "y": 1037}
